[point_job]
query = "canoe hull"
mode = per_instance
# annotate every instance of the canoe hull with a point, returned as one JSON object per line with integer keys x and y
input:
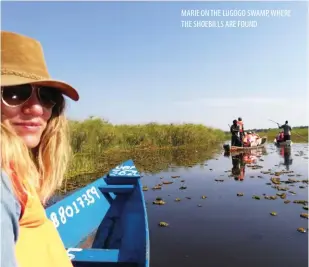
{"x": 287, "y": 143}
{"x": 105, "y": 223}
{"x": 228, "y": 148}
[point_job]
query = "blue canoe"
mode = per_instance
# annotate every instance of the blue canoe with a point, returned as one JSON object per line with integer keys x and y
{"x": 105, "y": 223}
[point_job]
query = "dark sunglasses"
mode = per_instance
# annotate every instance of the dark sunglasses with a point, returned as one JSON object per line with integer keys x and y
{"x": 18, "y": 95}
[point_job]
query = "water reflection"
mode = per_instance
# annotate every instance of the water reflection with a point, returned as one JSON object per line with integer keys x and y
{"x": 89, "y": 167}
{"x": 240, "y": 159}
{"x": 285, "y": 153}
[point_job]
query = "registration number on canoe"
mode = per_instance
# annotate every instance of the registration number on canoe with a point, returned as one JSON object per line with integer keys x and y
{"x": 124, "y": 171}
{"x": 86, "y": 199}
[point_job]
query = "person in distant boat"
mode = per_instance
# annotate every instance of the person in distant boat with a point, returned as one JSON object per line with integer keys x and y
{"x": 256, "y": 139}
{"x": 235, "y": 141}
{"x": 241, "y": 128}
{"x": 280, "y": 137}
{"x": 286, "y": 130}
{"x": 34, "y": 154}
{"x": 248, "y": 139}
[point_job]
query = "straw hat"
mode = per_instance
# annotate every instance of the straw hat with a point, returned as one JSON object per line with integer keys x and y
{"x": 22, "y": 62}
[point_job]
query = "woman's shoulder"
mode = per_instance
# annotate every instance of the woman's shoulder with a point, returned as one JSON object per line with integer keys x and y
{"x": 10, "y": 212}
{"x": 9, "y": 201}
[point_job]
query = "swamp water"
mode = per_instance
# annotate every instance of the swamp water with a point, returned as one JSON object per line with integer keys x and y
{"x": 222, "y": 216}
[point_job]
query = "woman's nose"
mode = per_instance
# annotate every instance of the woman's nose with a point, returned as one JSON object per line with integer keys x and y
{"x": 33, "y": 106}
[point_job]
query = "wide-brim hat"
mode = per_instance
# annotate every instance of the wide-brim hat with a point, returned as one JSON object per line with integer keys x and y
{"x": 22, "y": 62}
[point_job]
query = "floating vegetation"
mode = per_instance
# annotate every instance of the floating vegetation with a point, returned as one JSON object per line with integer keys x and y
{"x": 268, "y": 183}
{"x": 145, "y": 188}
{"x": 275, "y": 180}
{"x": 287, "y": 201}
{"x": 292, "y": 192}
{"x": 157, "y": 187}
{"x": 240, "y": 194}
{"x": 182, "y": 181}
{"x": 265, "y": 172}
{"x": 281, "y": 195}
{"x": 163, "y": 224}
{"x": 188, "y": 197}
{"x": 270, "y": 197}
{"x": 199, "y": 205}
{"x": 203, "y": 197}
{"x": 158, "y": 202}
{"x": 252, "y": 176}
{"x": 273, "y": 213}
{"x": 305, "y": 181}
{"x": 280, "y": 188}
{"x": 177, "y": 199}
{"x": 219, "y": 180}
{"x": 255, "y": 167}
{"x": 175, "y": 176}
{"x": 301, "y": 230}
{"x": 305, "y": 207}
{"x": 256, "y": 197}
{"x": 182, "y": 187}
{"x": 304, "y": 215}
{"x": 302, "y": 186}
{"x": 303, "y": 202}
{"x": 167, "y": 182}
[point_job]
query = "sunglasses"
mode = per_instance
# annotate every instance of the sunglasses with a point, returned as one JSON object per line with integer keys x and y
{"x": 18, "y": 95}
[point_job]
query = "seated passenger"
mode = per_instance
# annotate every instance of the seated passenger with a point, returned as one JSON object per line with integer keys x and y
{"x": 257, "y": 139}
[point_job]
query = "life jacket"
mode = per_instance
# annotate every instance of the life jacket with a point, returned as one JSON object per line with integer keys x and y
{"x": 241, "y": 126}
{"x": 38, "y": 243}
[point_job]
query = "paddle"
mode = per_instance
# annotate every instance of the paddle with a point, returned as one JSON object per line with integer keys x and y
{"x": 293, "y": 131}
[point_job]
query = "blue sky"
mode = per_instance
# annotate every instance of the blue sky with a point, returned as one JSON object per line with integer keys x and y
{"x": 134, "y": 63}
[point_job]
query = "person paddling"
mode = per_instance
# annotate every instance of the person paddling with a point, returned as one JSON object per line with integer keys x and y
{"x": 234, "y": 129}
{"x": 286, "y": 130}
{"x": 35, "y": 153}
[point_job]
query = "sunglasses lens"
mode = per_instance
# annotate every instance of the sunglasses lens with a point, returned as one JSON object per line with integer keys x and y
{"x": 16, "y": 95}
{"x": 49, "y": 96}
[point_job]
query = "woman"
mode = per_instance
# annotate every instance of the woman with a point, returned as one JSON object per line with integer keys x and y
{"x": 35, "y": 153}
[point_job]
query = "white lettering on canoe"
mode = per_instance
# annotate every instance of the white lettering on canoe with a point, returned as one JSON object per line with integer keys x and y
{"x": 124, "y": 171}
{"x": 69, "y": 211}
{"x": 72, "y": 256}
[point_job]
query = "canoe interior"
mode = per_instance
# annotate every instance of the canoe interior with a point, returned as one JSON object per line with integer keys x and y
{"x": 105, "y": 223}
{"x": 227, "y": 147}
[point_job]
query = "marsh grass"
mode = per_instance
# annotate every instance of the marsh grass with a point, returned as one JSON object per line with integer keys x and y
{"x": 96, "y": 136}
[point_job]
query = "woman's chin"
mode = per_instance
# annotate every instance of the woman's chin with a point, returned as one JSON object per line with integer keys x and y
{"x": 31, "y": 141}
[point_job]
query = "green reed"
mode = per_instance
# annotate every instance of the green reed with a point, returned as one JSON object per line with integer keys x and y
{"x": 97, "y": 136}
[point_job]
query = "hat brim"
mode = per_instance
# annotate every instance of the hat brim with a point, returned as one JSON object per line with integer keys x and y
{"x": 66, "y": 89}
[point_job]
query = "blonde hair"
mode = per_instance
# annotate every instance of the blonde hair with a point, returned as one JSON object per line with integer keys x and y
{"x": 46, "y": 168}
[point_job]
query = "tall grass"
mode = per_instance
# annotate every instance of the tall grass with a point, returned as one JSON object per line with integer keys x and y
{"x": 96, "y": 135}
